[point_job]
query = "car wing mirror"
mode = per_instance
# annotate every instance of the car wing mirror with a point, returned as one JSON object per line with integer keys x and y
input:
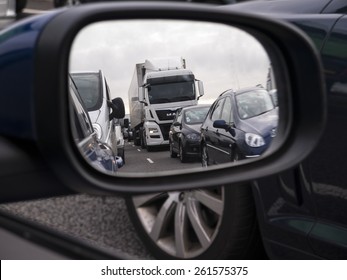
{"x": 220, "y": 124}
{"x": 177, "y": 124}
{"x": 58, "y": 45}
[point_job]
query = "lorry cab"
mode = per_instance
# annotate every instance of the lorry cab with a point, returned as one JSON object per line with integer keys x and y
{"x": 159, "y": 88}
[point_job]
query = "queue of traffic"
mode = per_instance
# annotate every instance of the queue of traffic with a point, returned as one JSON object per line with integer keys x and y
{"x": 164, "y": 111}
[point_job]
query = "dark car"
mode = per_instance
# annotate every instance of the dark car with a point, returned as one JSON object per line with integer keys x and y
{"x": 302, "y": 211}
{"x": 239, "y": 125}
{"x": 184, "y": 134}
{"x": 98, "y": 154}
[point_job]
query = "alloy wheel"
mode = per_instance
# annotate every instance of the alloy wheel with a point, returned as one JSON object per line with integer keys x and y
{"x": 182, "y": 224}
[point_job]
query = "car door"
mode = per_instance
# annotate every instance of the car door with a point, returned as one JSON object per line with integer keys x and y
{"x": 225, "y": 137}
{"x": 328, "y": 162}
{"x": 211, "y": 133}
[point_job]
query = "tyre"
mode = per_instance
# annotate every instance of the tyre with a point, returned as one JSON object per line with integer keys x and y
{"x": 183, "y": 156}
{"x": 59, "y": 3}
{"x": 137, "y": 137}
{"x": 142, "y": 139}
{"x": 121, "y": 153}
{"x": 173, "y": 154}
{"x": 235, "y": 155}
{"x": 214, "y": 223}
{"x": 20, "y": 5}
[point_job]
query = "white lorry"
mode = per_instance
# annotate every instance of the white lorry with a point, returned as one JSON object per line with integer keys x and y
{"x": 159, "y": 88}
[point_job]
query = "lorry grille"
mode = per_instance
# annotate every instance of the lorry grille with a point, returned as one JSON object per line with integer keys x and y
{"x": 165, "y": 128}
{"x": 166, "y": 115}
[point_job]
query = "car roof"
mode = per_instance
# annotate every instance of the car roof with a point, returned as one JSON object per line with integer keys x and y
{"x": 239, "y": 91}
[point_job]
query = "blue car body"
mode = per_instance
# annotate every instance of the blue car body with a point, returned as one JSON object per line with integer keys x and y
{"x": 233, "y": 129}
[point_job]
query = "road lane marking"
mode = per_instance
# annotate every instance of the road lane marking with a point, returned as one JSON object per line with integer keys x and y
{"x": 138, "y": 150}
{"x": 150, "y": 161}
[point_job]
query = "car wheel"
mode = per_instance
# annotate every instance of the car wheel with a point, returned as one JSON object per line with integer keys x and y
{"x": 142, "y": 139}
{"x": 173, "y": 154}
{"x": 212, "y": 223}
{"x": 20, "y": 5}
{"x": 59, "y": 3}
{"x": 122, "y": 154}
{"x": 204, "y": 156}
{"x": 235, "y": 155}
{"x": 183, "y": 156}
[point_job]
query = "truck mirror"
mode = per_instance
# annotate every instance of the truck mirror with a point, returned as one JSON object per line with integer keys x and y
{"x": 201, "y": 88}
{"x": 142, "y": 95}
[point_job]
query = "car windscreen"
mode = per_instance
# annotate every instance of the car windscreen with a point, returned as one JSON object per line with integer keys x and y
{"x": 253, "y": 103}
{"x": 89, "y": 87}
{"x": 195, "y": 115}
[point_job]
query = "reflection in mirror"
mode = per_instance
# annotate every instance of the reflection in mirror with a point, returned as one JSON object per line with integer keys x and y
{"x": 195, "y": 94}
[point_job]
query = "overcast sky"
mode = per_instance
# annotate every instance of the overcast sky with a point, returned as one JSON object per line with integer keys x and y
{"x": 221, "y": 56}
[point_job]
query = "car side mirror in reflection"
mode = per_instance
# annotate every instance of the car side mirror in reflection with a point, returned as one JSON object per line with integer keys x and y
{"x": 116, "y": 40}
{"x": 117, "y": 106}
{"x": 221, "y": 124}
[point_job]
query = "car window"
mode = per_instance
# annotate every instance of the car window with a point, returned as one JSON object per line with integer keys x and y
{"x": 107, "y": 91}
{"x": 195, "y": 115}
{"x": 89, "y": 87}
{"x": 82, "y": 122}
{"x": 217, "y": 110}
{"x": 253, "y": 103}
{"x": 227, "y": 111}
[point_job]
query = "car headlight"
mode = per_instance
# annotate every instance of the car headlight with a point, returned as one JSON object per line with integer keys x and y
{"x": 98, "y": 130}
{"x": 254, "y": 140}
{"x": 193, "y": 137}
{"x": 152, "y": 130}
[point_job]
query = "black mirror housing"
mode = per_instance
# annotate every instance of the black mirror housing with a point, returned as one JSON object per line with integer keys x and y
{"x": 220, "y": 124}
{"x": 297, "y": 134}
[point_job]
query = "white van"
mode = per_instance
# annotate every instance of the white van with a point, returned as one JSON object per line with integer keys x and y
{"x": 95, "y": 93}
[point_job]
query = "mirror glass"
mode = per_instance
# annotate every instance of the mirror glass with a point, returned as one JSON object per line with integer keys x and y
{"x": 162, "y": 95}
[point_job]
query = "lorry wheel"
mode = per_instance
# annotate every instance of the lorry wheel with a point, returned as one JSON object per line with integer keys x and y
{"x": 213, "y": 223}
{"x": 142, "y": 140}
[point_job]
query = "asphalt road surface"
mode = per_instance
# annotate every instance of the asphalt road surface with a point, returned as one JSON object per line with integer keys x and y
{"x": 158, "y": 159}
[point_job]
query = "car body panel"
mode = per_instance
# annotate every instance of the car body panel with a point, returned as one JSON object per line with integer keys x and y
{"x": 302, "y": 211}
{"x": 17, "y": 57}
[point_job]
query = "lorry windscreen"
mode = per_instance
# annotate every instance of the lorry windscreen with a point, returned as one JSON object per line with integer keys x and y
{"x": 171, "y": 92}
{"x": 89, "y": 88}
